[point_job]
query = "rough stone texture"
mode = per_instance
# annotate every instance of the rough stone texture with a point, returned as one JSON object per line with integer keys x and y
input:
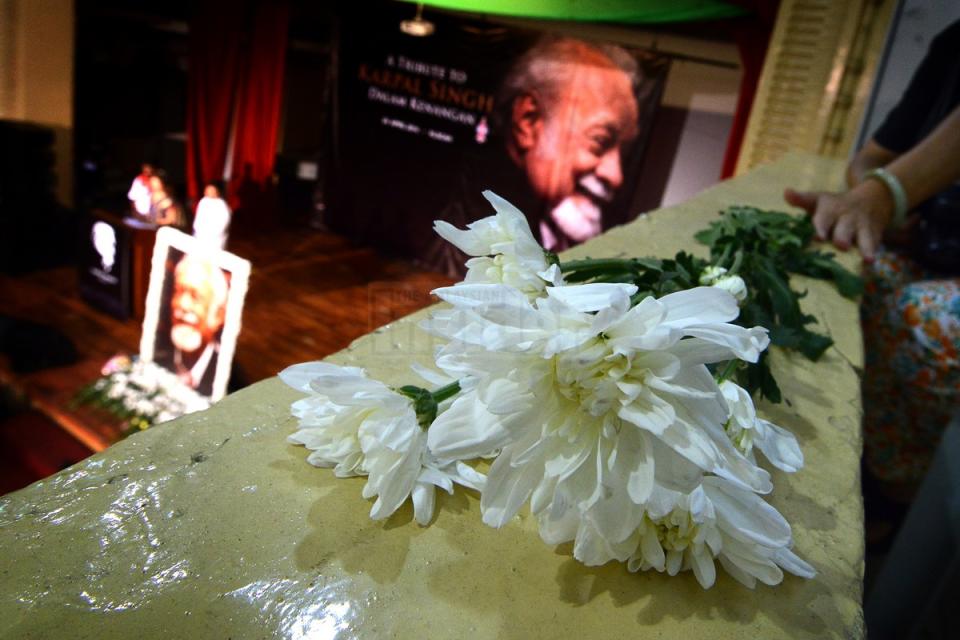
{"x": 214, "y": 526}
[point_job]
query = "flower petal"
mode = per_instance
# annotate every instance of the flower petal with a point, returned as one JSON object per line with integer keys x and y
{"x": 299, "y": 376}
{"x": 790, "y": 561}
{"x": 466, "y": 430}
{"x": 764, "y": 570}
{"x": 507, "y": 488}
{"x": 746, "y": 344}
{"x": 594, "y": 296}
{"x": 652, "y": 550}
{"x": 699, "y": 306}
{"x": 703, "y": 568}
{"x": 779, "y": 446}
{"x": 746, "y": 516}
{"x": 483, "y": 295}
{"x": 424, "y": 498}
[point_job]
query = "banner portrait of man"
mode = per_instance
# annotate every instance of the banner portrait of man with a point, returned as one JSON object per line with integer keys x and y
{"x": 568, "y": 111}
{"x": 555, "y": 124}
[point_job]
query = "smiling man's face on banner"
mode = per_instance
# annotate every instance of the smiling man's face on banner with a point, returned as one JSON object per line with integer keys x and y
{"x": 568, "y": 134}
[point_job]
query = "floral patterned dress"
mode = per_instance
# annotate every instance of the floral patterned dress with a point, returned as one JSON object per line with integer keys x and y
{"x": 911, "y": 384}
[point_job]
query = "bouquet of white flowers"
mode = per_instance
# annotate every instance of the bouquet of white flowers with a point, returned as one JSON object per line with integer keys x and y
{"x": 611, "y": 412}
{"x": 140, "y": 393}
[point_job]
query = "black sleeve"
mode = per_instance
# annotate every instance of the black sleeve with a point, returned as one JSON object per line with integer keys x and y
{"x": 903, "y": 127}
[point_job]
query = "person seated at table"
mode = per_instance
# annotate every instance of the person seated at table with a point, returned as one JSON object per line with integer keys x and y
{"x": 212, "y": 218}
{"x": 911, "y": 307}
{"x": 164, "y": 209}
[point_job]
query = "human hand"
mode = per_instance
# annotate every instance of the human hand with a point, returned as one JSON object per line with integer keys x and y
{"x": 859, "y": 215}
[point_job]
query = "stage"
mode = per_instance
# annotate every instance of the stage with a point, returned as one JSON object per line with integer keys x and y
{"x": 311, "y": 293}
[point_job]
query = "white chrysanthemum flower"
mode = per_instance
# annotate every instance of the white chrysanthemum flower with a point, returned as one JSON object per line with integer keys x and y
{"x": 734, "y": 285}
{"x": 504, "y": 250}
{"x": 115, "y": 392}
{"x": 714, "y": 276}
{"x": 149, "y": 382}
{"x": 747, "y": 430}
{"x": 360, "y": 426}
{"x": 711, "y": 274}
{"x": 145, "y": 407}
{"x": 578, "y": 401}
{"x": 750, "y": 538}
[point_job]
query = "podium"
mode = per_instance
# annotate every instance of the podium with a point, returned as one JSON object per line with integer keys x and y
{"x": 142, "y": 238}
{"x": 115, "y": 255}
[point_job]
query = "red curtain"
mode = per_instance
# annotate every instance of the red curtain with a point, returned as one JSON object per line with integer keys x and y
{"x": 752, "y": 35}
{"x": 235, "y": 87}
{"x": 216, "y": 33}
{"x": 259, "y": 98}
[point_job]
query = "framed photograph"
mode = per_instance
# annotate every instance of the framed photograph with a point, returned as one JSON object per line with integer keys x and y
{"x": 193, "y": 311}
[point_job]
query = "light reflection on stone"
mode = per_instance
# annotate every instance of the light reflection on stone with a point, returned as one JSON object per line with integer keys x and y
{"x": 321, "y": 622}
{"x": 323, "y": 611}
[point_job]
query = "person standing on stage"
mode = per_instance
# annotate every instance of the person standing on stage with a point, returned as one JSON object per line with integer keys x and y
{"x": 139, "y": 193}
{"x": 212, "y": 219}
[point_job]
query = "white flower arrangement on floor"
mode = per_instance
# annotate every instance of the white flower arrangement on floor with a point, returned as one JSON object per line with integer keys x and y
{"x": 598, "y": 409}
{"x": 141, "y": 393}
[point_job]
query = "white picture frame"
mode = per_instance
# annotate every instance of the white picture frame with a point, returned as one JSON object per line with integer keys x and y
{"x": 156, "y": 345}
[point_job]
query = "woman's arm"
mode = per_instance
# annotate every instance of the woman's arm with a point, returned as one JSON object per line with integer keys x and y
{"x": 932, "y": 165}
{"x": 860, "y": 214}
{"x": 871, "y": 156}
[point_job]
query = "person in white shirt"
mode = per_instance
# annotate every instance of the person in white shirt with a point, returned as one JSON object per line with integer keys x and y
{"x": 212, "y": 219}
{"x": 139, "y": 193}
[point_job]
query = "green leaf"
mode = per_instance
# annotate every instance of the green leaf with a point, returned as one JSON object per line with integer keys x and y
{"x": 810, "y": 344}
{"x": 756, "y": 377}
{"x": 822, "y": 265}
{"x": 784, "y": 302}
{"x": 764, "y": 248}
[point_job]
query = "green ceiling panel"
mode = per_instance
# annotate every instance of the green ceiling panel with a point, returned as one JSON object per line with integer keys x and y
{"x": 623, "y": 11}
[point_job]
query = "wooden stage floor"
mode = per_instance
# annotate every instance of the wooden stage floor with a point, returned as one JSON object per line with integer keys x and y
{"x": 311, "y": 293}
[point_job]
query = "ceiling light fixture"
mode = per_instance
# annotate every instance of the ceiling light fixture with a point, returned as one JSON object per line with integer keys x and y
{"x": 418, "y": 26}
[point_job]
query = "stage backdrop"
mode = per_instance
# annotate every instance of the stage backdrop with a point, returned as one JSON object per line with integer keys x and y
{"x": 556, "y": 125}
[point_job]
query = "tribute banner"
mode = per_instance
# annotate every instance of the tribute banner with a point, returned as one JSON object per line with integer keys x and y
{"x": 556, "y": 125}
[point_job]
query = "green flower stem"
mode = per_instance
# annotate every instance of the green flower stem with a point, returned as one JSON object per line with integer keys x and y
{"x": 722, "y": 260}
{"x": 737, "y": 261}
{"x": 446, "y": 392}
{"x": 425, "y": 402}
{"x": 601, "y": 270}
{"x": 598, "y": 264}
{"x": 728, "y": 370}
